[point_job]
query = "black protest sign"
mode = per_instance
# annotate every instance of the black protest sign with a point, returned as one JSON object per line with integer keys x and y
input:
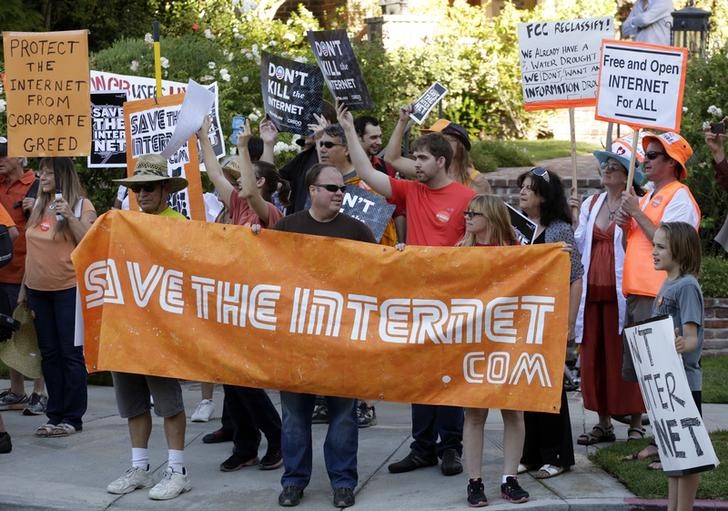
{"x": 680, "y": 433}
{"x": 108, "y": 139}
{"x": 337, "y": 61}
{"x": 292, "y": 92}
{"x": 424, "y": 105}
{"x": 369, "y": 208}
{"x": 524, "y": 228}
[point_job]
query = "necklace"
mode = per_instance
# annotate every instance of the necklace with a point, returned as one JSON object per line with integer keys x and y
{"x": 612, "y": 212}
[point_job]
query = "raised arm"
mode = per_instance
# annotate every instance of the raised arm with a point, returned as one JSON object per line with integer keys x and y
{"x": 269, "y": 134}
{"x": 393, "y": 151}
{"x": 248, "y": 181}
{"x": 377, "y": 180}
{"x": 214, "y": 171}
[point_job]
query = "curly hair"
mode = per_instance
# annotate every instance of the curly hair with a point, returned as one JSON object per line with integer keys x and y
{"x": 548, "y": 186}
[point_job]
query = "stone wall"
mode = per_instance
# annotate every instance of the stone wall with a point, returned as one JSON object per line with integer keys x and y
{"x": 507, "y": 188}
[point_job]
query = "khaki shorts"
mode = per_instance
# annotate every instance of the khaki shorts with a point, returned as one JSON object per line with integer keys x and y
{"x": 133, "y": 391}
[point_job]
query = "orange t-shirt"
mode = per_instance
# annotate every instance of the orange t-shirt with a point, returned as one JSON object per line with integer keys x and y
{"x": 10, "y": 196}
{"x": 48, "y": 265}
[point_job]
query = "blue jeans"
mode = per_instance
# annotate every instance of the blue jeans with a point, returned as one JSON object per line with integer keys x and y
{"x": 431, "y": 421}
{"x": 63, "y": 364}
{"x": 340, "y": 447}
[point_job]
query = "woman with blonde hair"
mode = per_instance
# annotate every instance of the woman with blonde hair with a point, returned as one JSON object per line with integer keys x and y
{"x": 488, "y": 224}
{"x": 60, "y": 218}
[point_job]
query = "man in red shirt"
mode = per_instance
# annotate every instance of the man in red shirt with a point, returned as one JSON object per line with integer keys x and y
{"x": 15, "y": 182}
{"x": 435, "y": 206}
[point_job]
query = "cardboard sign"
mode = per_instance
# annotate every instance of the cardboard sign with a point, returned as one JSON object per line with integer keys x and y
{"x": 641, "y": 85}
{"x": 47, "y": 89}
{"x": 108, "y": 136}
{"x": 560, "y": 61}
{"x": 679, "y": 430}
{"x": 424, "y": 105}
{"x": 369, "y": 208}
{"x": 140, "y": 87}
{"x": 150, "y": 124}
{"x": 337, "y": 61}
{"x": 292, "y": 92}
{"x": 283, "y": 311}
{"x": 524, "y": 227}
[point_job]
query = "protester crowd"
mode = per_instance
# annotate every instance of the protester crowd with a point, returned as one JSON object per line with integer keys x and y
{"x": 633, "y": 253}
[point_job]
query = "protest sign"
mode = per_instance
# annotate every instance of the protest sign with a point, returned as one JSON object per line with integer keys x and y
{"x": 560, "y": 61}
{"x": 149, "y": 125}
{"x": 424, "y": 105}
{"x": 140, "y": 87}
{"x": 337, "y": 61}
{"x": 195, "y": 107}
{"x": 682, "y": 439}
{"x": 47, "y": 89}
{"x": 524, "y": 227}
{"x": 641, "y": 84}
{"x": 292, "y": 92}
{"x": 108, "y": 137}
{"x": 368, "y": 207}
{"x": 289, "y": 311}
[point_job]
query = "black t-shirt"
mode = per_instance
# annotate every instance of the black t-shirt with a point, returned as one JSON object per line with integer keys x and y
{"x": 295, "y": 172}
{"x": 342, "y": 226}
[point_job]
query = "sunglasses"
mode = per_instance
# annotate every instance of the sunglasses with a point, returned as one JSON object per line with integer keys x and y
{"x": 610, "y": 165}
{"x": 652, "y": 155}
{"x": 328, "y": 144}
{"x": 542, "y": 173}
{"x": 332, "y": 188}
{"x": 150, "y": 187}
{"x": 471, "y": 214}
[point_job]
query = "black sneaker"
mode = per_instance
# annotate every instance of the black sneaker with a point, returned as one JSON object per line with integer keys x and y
{"x": 343, "y": 497}
{"x": 320, "y": 414}
{"x": 412, "y": 461}
{"x": 366, "y": 416}
{"x": 218, "y": 436}
{"x": 512, "y": 491}
{"x": 236, "y": 462}
{"x": 476, "y": 493}
{"x": 272, "y": 460}
{"x": 451, "y": 463}
{"x": 5, "y": 444}
{"x": 290, "y": 496}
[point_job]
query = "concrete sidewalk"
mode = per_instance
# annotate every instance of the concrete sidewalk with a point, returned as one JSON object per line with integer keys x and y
{"x": 72, "y": 473}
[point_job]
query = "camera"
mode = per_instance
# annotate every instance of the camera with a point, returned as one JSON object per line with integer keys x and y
{"x": 8, "y": 325}
{"x": 717, "y": 127}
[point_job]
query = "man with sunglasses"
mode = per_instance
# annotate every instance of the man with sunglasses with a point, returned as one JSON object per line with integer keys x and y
{"x": 435, "y": 210}
{"x": 152, "y": 185}
{"x": 669, "y": 201}
{"x": 326, "y": 188}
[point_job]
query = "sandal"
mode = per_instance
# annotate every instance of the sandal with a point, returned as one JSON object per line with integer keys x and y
{"x": 598, "y": 434}
{"x": 635, "y": 434}
{"x": 655, "y": 465}
{"x": 648, "y": 453}
{"x": 44, "y": 430}
{"x": 547, "y": 471}
{"x": 62, "y": 429}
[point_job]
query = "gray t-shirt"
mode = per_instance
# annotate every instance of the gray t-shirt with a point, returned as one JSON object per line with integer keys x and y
{"x": 682, "y": 298}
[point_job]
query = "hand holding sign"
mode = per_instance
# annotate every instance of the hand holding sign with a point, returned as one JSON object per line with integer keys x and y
{"x": 346, "y": 120}
{"x": 244, "y": 137}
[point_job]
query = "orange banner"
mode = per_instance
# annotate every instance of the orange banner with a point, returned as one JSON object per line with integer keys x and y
{"x": 480, "y": 327}
{"x": 47, "y": 88}
{"x": 149, "y": 124}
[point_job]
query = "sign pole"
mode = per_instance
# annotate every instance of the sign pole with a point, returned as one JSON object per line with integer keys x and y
{"x": 157, "y": 57}
{"x": 572, "y": 131}
{"x": 633, "y": 158}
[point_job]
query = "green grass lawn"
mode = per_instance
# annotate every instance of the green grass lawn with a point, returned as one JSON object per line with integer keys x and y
{"x": 540, "y": 150}
{"x": 715, "y": 376}
{"x": 652, "y": 484}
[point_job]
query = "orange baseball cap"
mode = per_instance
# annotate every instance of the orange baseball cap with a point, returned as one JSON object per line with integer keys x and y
{"x": 674, "y": 145}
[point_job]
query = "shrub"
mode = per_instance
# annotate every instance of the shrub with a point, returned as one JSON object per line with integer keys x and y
{"x": 491, "y": 154}
{"x": 714, "y": 280}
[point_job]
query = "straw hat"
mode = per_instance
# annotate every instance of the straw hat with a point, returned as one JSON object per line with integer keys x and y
{"x": 152, "y": 168}
{"x": 21, "y": 351}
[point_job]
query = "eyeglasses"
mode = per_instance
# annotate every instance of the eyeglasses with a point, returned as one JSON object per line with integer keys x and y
{"x": 332, "y": 188}
{"x": 471, "y": 214}
{"x": 652, "y": 155}
{"x": 328, "y": 144}
{"x": 610, "y": 165}
{"x": 149, "y": 187}
{"x": 542, "y": 173}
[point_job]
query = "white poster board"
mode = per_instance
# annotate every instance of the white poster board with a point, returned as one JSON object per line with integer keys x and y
{"x": 641, "y": 85}
{"x": 680, "y": 433}
{"x": 560, "y": 61}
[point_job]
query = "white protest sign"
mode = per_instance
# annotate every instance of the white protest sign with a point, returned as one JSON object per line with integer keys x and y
{"x": 682, "y": 439}
{"x": 424, "y": 105}
{"x": 197, "y": 104}
{"x": 560, "y": 61}
{"x": 641, "y": 84}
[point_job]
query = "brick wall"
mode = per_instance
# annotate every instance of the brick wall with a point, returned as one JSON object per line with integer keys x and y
{"x": 508, "y": 189}
{"x": 716, "y": 326}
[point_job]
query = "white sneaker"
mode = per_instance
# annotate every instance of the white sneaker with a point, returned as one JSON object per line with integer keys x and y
{"x": 171, "y": 485}
{"x": 133, "y": 479}
{"x": 203, "y": 411}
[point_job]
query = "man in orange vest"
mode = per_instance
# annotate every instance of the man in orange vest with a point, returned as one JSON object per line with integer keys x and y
{"x": 669, "y": 201}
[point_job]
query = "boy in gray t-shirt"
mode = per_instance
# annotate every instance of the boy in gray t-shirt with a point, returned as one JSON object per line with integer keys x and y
{"x": 682, "y": 298}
